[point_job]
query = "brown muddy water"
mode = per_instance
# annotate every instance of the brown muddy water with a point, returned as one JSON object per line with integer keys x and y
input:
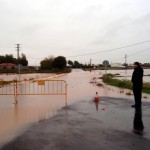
{"x": 126, "y": 74}
{"x": 9, "y": 77}
{"x": 15, "y": 119}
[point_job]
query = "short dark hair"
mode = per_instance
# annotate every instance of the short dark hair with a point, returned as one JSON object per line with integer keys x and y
{"x": 137, "y": 63}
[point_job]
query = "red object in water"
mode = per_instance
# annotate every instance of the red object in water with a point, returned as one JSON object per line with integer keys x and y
{"x": 96, "y": 97}
{"x": 103, "y": 108}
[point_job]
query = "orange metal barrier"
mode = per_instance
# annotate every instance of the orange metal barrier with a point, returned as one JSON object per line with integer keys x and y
{"x": 35, "y": 87}
{"x": 8, "y": 89}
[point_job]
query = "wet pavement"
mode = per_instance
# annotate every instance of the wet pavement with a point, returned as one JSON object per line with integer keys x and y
{"x": 113, "y": 111}
{"x": 87, "y": 125}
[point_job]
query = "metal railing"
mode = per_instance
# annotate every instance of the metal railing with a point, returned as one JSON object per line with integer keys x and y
{"x": 35, "y": 87}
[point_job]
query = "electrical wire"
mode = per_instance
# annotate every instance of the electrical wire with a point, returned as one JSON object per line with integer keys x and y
{"x": 114, "y": 49}
{"x": 131, "y": 55}
{"x": 141, "y": 51}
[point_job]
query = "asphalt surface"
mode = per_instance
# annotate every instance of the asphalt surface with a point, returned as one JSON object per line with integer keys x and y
{"x": 86, "y": 125}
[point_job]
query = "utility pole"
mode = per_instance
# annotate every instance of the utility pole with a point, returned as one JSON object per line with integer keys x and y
{"x": 90, "y": 64}
{"x": 18, "y": 49}
{"x": 125, "y": 59}
{"x": 19, "y": 69}
{"x": 125, "y": 66}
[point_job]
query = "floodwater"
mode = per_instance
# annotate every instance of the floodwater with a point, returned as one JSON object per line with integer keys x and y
{"x": 15, "y": 119}
{"x": 10, "y": 77}
{"x": 127, "y": 74}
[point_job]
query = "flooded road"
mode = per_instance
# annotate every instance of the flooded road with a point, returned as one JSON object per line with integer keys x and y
{"x": 15, "y": 119}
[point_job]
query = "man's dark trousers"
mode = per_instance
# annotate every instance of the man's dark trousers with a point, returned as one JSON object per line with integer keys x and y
{"x": 137, "y": 91}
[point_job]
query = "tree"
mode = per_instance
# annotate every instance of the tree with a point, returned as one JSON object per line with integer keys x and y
{"x": 70, "y": 63}
{"x": 60, "y": 62}
{"x": 77, "y": 64}
{"x": 8, "y": 59}
{"x": 22, "y": 60}
{"x": 125, "y": 64}
{"x": 2, "y": 59}
{"x": 47, "y": 63}
{"x": 146, "y": 65}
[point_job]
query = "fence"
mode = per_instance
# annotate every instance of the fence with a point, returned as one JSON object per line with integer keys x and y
{"x": 34, "y": 87}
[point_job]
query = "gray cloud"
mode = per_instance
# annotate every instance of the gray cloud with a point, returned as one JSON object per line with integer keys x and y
{"x": 71, "y": 27}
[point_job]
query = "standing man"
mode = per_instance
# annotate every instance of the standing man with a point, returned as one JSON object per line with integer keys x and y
{"x": 137, "y": 80}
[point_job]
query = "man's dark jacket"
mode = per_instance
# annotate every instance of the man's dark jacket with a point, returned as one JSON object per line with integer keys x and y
{"x": 137, "y": 76}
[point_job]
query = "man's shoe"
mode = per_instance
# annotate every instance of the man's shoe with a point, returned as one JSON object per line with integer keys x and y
{"x": 133, "y": 106}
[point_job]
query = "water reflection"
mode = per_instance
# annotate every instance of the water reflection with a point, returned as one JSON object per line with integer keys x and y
{"x": 96, "y": 105}
{"x": 16, "y": 112}
{"x": 138, "y": 126}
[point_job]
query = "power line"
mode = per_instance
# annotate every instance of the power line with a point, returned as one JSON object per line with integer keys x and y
{"x": 141, "y": 51}
{"x": 36, "y": 58}
{"x": 130, "y": 55}
{"x": 109, "y": 50}
{"x": 112, "y": 49}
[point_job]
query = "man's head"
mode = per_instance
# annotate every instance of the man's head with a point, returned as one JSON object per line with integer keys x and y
{"x": 136, "y": 64}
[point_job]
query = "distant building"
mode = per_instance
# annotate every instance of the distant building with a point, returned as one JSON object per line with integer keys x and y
{"x": 8, "y": 67}
{"x": 116, "y": 65}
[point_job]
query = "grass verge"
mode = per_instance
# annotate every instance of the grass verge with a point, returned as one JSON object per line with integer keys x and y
{"x": 110, "y": 80}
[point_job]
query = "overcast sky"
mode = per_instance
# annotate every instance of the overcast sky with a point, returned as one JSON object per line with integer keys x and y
{"x": 74, "y": 27}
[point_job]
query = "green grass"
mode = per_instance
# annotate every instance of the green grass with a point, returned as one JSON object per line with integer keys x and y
{"x": 110, "y": 80}
{"x": 146, "y": 91}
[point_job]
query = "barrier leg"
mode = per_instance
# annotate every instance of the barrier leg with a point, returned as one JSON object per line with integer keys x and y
{"x": 15, "y": 99}
{"x": 15, "y": 93}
